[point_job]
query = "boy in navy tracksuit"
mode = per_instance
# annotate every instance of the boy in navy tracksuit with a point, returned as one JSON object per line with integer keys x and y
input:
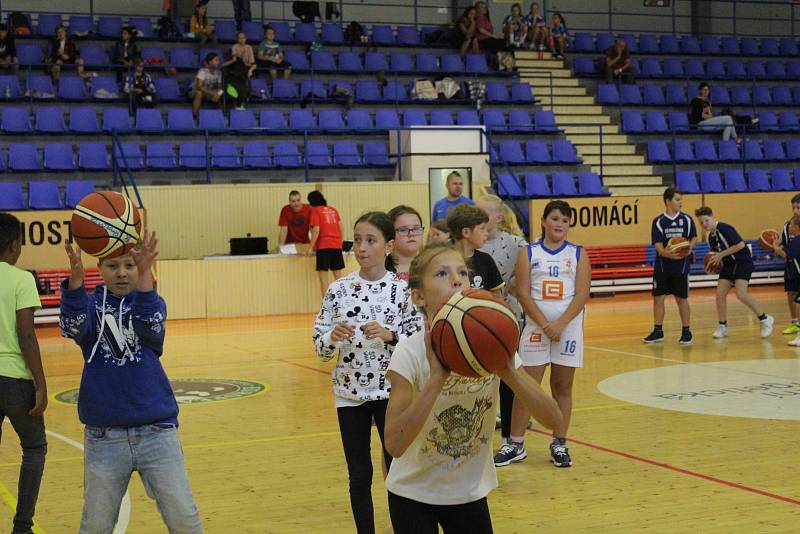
{"x": 791, "y": 231}
{"x": 791, "y": 273}
{"x": 125, "y": 399}
{"x": 730, "y": 252}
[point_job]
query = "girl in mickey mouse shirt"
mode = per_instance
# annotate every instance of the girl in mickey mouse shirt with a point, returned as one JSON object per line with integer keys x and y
{"x": 362, "y": 317}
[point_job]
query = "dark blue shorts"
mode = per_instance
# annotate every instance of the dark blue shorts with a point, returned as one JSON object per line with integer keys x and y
{"x": 736, "y": 271}
{"x": 791, "y": 285}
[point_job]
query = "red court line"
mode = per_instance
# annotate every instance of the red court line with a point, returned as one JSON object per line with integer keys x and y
{"x": 676, "y": 469}
{"x": 323, "y": 371}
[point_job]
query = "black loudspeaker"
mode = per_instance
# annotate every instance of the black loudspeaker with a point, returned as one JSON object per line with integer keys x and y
{"x": 248, "y": 246}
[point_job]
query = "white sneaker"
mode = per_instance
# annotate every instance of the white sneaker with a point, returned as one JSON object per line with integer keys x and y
{"x": 795, "y": 342}
{"x": 766, "y": 326}
{"x": 720, "y": 332}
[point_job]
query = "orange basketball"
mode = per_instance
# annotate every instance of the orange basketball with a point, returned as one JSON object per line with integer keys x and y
{"x": 679, "y": 245}
{"x": 768, "y": 238}
{"x": 710, "y": 269}
{"x": 106, "y": 224}
{"x": 475, "y": 334}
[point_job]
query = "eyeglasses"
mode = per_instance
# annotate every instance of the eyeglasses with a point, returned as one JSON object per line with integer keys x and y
{"x": 410, "y": 230}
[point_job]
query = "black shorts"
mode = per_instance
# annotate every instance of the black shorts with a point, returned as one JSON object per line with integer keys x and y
{"x": 671, "y": 284}
{"x": 736, "y": 271}
{"x": 330, "y": 259}
{"x": 791, "y": 285}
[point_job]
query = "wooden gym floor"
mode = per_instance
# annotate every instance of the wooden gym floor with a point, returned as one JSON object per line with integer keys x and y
{"x": 272, "y": 462}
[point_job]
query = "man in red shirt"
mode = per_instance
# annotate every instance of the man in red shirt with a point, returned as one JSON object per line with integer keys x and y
{"x": 294, "y": 221}
{"x": 327, "y": 233}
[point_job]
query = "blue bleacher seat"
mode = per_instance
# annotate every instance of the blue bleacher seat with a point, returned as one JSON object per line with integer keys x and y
{"x": 29, "y": 54}
{"x": 682, "y": 151}
{"x": 564, "y": 152}
{"x": 153, "y": 52}
{"x": 375, "y": 154}
{"x": 564, "y": 184}
{"x": 651, "y": 68}
{"x": 332, "y": 33}
{"x": 9, "y": 87}
{"x": 441, "y": 117}
{"x": 749, "y": 46}
{"x": 401, "y": 62}
{"x": 709, "y": 45}
{"x": 283, "y": 34}
{"x": 676, "y": 95}
{"x": 167, "y": 89}
{"x": 668, "y": 44}
{"x": 183, "y": 58}
{"x": 104, "y": 88}
{"x": 511, "y": 152}
{"x": 735, "y": 70}
{"x": 286, "y": 155}
{"x": 536, "y": 152}
{"x": 386, "y": 119}
{"x": 655, "y": 122}
{"x": 272, "y": 119}
{"x": 788, "y": 47}
{"x": 793, "y": 149}
{"x": 426, "y": 63}
{"x": 149, "y": 119}
{"x": 762, "y": 96}
{"x": 58, "y": 157}
{"x": 330, "y": 120}
{"x": 773, "y": 150}
{"x": 693, "y": 68}
{"x": 16, "y": 120}
{"x": 545, "y": 122}
{"x": 75, "y": 190}
{"x": 317, "y": 154}
{"x": 375, "y": 62}
{"x": 23, "y": 157}
{"x": 358, "y": 119}
{"x": 80, "y": 25}
{"x": 144, "y": 25}
{"x": 630, "y": 41}
{"x": 672, "y": 68}
{"x": 72, "y": 88}
{"x": 648, "y": 43}
{"x": 752, "y": 150}
{"x": 47, "y": 23}
{"x": 11, "y": 196}
{"x": 585, "y": 66}
{"x": 536, "y": 185}
{"x": 225, "y": 155}
{"x": 254, "y": 30}
{"x": 782, "y": 95}
{"x": 782, "y": 180}
{"x": 521, "y": 93}
{"x": 302, "y": 119}
{"x": 346, "y": 154}
{"x": 93, "y": 157}
{"x": 179, "y": 119}
{"x": 497, "y": 92}
{"x": 689, "y": 45}
{"x": 382, "y": 34}
{"x": 589, "y": 184}
{"x": 160, "y": 156}
{"x": 414, "y": 117}
{"x": 304, "y": 32}
{"x": 451, "y": 63}
{"x": 93, "y": 55}
{"x": 129, "y": 156}
{"x": 653, "y": 95}
{"x": 313, "y": 89}
{"x": 475, "y": 63}
{"x": 704, "y": 150}
{"x": 734, "y": 181}
{"x": 603, "y": 41}
{"x": 494, "y": 120}
{"x": 467, "y": 117}
{"x": 729, "y": 151}
{"x": 729, "y": 46}
{"x": 50, "y": 119}
{"x": 394, "y": 90}
{"x": 715, "y": 69}
{"x": 83, "y": 120}
{"x": 322, "y": 60}
{"x": 686, "y": 181}
{"x": 408, "y": 36}
{"x": 607, "y": 94}
{"x": 630, "y": 95}
{"x": 710, "y": 182}
{"x": 109, "y": 27}
{"x": 297, "y": 59}
{"x": 678, "y": 121}
{"x": 758, "y": 180}
{"x": 740, "y": 96}
{"x": 519, "y": 120}
{"x": 632, "y": 122}
{"x": 796, "y": 95}
{"x": 44, "y": 196}
{"x": 242, "y": 119}
{"x": 720, "y": 96}
{"x": 285, "y": 90}
{"x": 509, "y": 186}
{"x": 583, "y": 42}
{"x": 658, "y": 151}
{"x": 350, "y": 61}
{"x": 255, "y": 155}
{"x": 775, "y": 70}
{"x": 193, "y": 155}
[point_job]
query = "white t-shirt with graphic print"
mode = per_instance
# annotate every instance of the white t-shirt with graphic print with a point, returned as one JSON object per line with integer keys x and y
{"x": 450, "y": 460}
{"x": 504, "y": 250}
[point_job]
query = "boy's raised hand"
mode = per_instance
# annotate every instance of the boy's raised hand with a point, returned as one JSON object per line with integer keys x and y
{"x": 76, "y": 273}
{"x": 146, "y": 253}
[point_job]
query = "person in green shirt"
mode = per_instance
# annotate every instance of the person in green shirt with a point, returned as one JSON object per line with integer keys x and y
{"x": 23, "y": 390}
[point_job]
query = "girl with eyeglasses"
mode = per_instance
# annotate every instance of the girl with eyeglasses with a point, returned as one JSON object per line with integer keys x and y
{"x": 408, "y": 237}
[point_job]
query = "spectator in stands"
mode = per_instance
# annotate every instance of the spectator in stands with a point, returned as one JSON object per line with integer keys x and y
{"x": 8, "y": 50}
{"x": 701, "y": 114}
{"x": 537, "y": 29}
{"x": 270, "y": 55}
{"x": 207, "y": 84}
{"x": 455, "y": 186}
{"x": 468, "y": 29}
{"x": 515, "y": 28}
{"x": 244, "y": 52}
{"x": 558, "y": 36}
{"x": 241, "y": 12}
{"x": 64, "y": 52}
{"x": 485, "y": 30}
{"x": 139, "y": 85}
{"x": 618, "y": 66}
{"x": 200, "y": 26}
{"x": 125, "y": 50}
{"x": 294, "y": 221}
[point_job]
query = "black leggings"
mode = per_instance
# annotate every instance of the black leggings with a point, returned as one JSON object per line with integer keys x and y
{"x": 414, "y": 517}
{"x": 355, "y": 425}
{"x": 506, "y": 406}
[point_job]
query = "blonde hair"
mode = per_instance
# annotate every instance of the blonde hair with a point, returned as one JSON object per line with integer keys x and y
{"x": 423, "y": 260}
{"x": 509, "y": 222}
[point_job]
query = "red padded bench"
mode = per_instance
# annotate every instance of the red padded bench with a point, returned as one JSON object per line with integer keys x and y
{"x": 54, "y": 278}
{"x": 625, "y": 261}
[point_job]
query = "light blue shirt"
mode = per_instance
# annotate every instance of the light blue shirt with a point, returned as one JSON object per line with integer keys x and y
{"x": 443, "y": 206}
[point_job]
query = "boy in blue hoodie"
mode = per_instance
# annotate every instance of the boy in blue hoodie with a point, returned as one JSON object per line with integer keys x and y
{"x": 125, "y": 399}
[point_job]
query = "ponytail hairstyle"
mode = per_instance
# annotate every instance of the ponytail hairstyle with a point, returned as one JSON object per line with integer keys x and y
{"x": 509, "y": 223}
{"x": 562, "y": 206}
{"x": 384, "y": 223}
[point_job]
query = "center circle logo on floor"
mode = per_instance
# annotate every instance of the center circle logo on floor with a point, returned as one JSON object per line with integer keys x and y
{"x": 194, "y": 390}
{"x": 758, "y": 389}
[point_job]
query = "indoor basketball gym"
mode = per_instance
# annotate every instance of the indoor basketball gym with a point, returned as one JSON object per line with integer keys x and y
{"x": 664, "y": 437}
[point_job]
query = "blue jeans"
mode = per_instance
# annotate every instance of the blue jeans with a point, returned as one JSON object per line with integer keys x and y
{"x": 111, "y": 455}
{"x": 723, "y": 122}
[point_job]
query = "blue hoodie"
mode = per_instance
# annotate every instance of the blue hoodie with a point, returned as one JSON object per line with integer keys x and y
{"x": 123, "y": 383}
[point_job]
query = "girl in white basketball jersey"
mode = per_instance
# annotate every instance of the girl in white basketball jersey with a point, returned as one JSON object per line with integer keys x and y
{"x": 553, "y": 282}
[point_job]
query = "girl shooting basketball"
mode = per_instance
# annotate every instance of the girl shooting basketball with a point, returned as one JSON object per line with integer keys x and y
{"x": 553, "y": 282}
{"x": 439, "y": 426}
{"x": 363, "y": 316}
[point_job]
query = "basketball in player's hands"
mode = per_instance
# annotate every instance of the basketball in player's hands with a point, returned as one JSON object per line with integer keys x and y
{"x": 106, "y": 224}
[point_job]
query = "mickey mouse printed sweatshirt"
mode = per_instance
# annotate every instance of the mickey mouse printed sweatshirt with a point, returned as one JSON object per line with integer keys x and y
{"x": 360, "y": 371}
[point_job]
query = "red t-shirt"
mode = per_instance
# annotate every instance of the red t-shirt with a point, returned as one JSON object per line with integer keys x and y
{"x": 327, "y": 220}
{"x": 296, "y": 223}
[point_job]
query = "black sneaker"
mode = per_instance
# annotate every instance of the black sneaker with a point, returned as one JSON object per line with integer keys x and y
{"x": 508, "y": 454}
{"x": 656, "y": 336}
{"x": 559, "y": 455}
{"x": 686, "y": 338}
